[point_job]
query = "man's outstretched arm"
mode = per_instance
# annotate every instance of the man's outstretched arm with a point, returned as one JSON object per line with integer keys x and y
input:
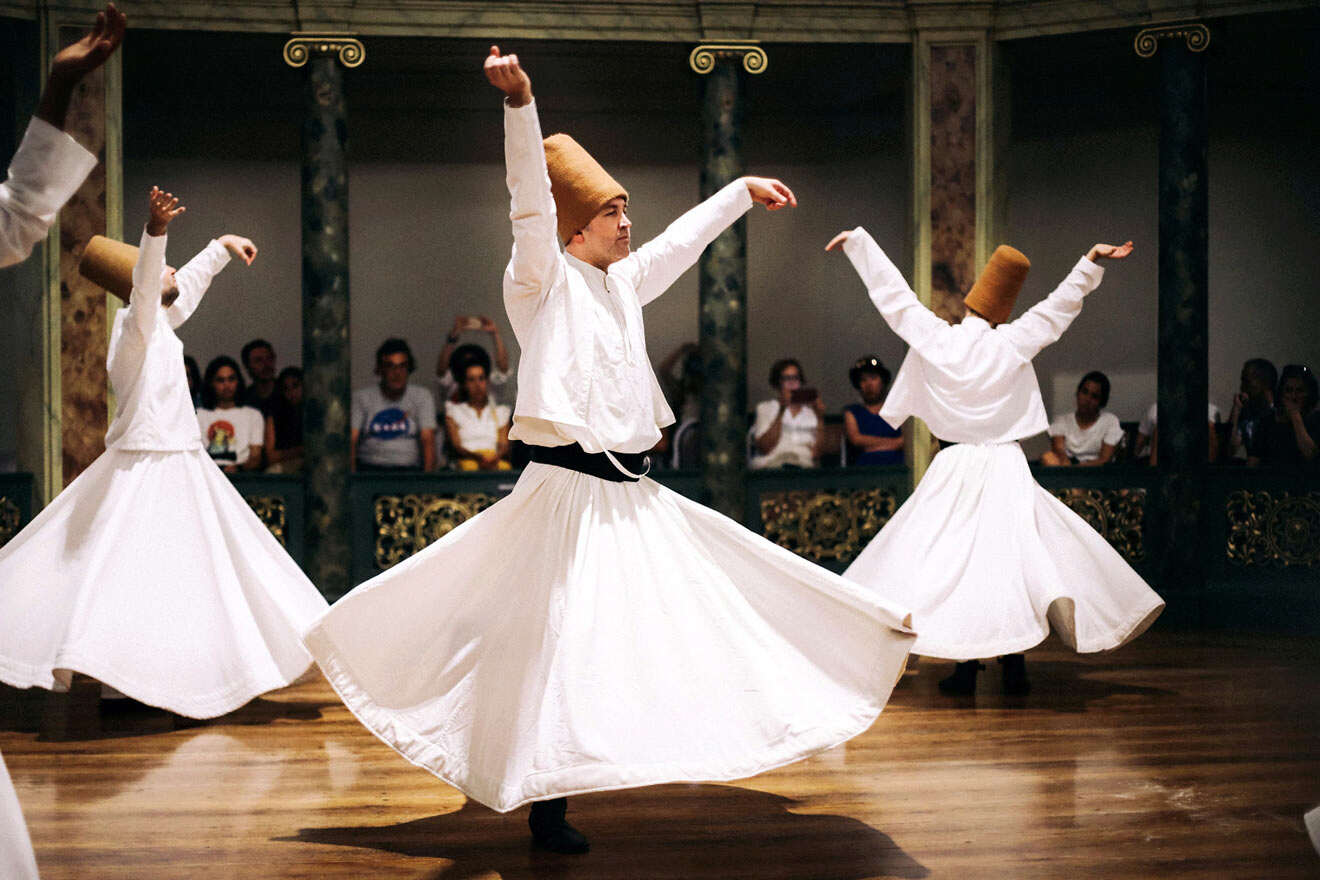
{"x": 659, "y": 263}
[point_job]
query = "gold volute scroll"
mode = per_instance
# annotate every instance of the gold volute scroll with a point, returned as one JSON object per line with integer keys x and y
{"x": 1147, "y": 40}
{"x": 754, "y": 60}
{"x": 304, "y": 44}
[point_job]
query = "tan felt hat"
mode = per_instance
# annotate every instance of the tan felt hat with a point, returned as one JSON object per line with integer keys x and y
{"x": 109, "y": 263}
{"x": 581, "y": 187}
{"x": 995, "y": 291}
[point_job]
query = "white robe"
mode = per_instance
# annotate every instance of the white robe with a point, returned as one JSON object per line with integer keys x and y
{"x": 45, "y": 172}
{"x": 47, "y": 169}
{"x": 583, "y": 635}
{"x": 149, "y": 572}
{"x": 984, "y": 556}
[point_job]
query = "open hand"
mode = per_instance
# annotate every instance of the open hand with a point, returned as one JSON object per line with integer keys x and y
{"x": 838, "y": 240}
{"x": 241, "y": 247}
{"x": 1109, "y": 251}
{"x": 770, "y": 192}
{"x": 89, "y": 53}
{"x": 507, "y": 75}
{"x": 164, "y": 207}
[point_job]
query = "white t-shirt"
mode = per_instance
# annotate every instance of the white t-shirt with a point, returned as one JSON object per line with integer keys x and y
{"x": 797, "y": 436}
{"x": 230, "y": 434}
{"x": 1084, "y": 444}
{"x": 1148, "y": 421}
{"x": 478, "y": 431}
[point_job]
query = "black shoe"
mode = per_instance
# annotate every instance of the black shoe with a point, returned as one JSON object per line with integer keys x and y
{"x": 552, "y": 832}
{"x": 1015, "y": 675}
{"x": 963, "y": 680}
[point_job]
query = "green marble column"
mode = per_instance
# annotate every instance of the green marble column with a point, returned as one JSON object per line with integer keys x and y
{"x": 325, "y": 326}
{"x": 1183, "y": 368}
{"x": 724, "y": 304}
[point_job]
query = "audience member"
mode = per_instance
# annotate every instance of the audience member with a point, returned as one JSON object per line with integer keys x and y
{"x": 259, "y": 359}
{"x": 871, "y": 440}
{"x": 1148, "y": 435}
{"x": 284, "y": 425}
{"x": 476, "y": 323}
{"x": 233, "y": 434}
{"x": 1252, "y": 408}
{"x": 393, "y": 422}
{"x": 1088, "y": 436}
{"x": 478, "y": 428}
{"x": 790, "y": 429}
{"x": 1290, "y": 437}
{"x": 194, "y": 379}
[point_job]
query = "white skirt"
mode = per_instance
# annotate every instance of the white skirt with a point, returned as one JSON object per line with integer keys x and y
{"x": 16, "y": 859}
{"x": 584, "y": 635}
{"x": 987, "y": 560}
{"x": 151, "y": 574}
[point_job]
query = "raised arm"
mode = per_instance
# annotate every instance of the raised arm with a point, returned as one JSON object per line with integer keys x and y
{"x": 149, "y": 271}
{"x": 915, "y": 324}
{"x": 536, "y": 260}
{"x": 1045, "y": 322}
{"x": 659, "y": 263}
{"x": 196, "y": 276}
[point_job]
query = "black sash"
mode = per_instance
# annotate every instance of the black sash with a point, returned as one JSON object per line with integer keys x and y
{"x": 596, "y": 464}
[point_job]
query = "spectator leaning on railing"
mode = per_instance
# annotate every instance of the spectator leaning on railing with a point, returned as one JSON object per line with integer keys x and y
{"x": 284, "y": 427}
{"x": 1252, "y": 408}
{"x": 233, "y": 434}
{"x": 478, "y": 428}
{"x": 873, "y": 440}
{"x": 1089, "y": 436}
{"x": 790, "y": 429}
{"x": 393, "y": 421}
{"x": 1292, "y": 435}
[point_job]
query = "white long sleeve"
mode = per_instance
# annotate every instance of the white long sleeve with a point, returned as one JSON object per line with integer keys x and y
{"x": 914, "y": 323}
{"x": 536, "y": 262}
{"x": 44, "y": 174}
{"x": 193, "y": 280}
{"x": 1045, "y": 322}
{"x": 144, "y": 301}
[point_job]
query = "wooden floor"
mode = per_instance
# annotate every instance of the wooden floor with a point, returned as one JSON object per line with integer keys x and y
{"x": 1179, "y": 756}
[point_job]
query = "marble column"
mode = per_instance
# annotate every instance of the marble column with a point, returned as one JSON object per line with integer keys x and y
{"x": 1183, "y": 361}
{"x": 723, "y": 286}
{"x": 326, "y": 380}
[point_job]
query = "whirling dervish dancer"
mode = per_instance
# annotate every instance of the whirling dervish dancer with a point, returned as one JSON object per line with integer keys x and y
{"x": 44, "y": 173}
{"x": 150, "y": 573}
{"x": 985, "y": 557}
{"x": 595, "y": 630}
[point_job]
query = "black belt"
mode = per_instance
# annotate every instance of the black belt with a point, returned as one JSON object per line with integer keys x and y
{"x": 593, "y": 464}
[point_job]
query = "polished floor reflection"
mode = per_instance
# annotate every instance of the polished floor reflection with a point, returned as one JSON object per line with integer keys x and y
{"x": 1180, "y": 756}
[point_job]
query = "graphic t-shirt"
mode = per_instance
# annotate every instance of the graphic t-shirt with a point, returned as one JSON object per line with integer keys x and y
{"x": 388, "y": 429}
{"x": 230, "y": 434}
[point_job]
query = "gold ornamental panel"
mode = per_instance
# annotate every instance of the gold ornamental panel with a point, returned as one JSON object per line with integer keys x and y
{"x": 1117, "y": 514}
{"x": 826, "y": 525}
{"x": 405, "y": 524}
{"x": 273, "y": 513}
{"x": 1273, "y": 528}
{"x": 10, "y": 519}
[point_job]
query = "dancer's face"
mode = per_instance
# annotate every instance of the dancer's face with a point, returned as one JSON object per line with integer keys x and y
{"x": 169, "y": 288}
{"x": 607, "y": 238}
{"x": 225, "y": 385}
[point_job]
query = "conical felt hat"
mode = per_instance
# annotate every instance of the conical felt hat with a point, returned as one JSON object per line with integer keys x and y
{"x": 993, "y": 294}
{"x": 581, "y": 187}
{"x": 109, "y": 263}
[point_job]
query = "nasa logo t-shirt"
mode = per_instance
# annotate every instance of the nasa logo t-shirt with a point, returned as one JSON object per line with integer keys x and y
{"x": 388, "y": 429}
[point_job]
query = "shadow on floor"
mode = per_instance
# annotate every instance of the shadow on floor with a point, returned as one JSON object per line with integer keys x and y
{"x": 669, "y": 831}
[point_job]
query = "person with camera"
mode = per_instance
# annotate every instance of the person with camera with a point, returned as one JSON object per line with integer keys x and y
{"x": 789, "y": 430}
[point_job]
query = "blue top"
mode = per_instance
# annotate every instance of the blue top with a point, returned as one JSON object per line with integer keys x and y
{"x": 872, "y": 425}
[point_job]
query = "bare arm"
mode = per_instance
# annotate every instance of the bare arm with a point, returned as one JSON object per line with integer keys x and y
{"x": 74, "y": 62}
{"x": 426, "y": 436}
{"x": 868, "y": 442}
{"x": 352, "y": 450}
{"x": 1106, "y": 455}
{"x": 770, "y": 438}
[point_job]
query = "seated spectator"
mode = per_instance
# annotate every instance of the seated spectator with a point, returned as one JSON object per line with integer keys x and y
{"x": 233, "y": 434}
{"x": 1252, "y": 408}
{"x": 1290, "y": 438}
{"x": 790, "y": 429}
{"x": 871, "y": 440}
{"x": 475, "y": 323}
{"x": 1148, "y": 435}
{"x": 679, "y": 375}
{"x": 392, "y": 427}
{"x": 478, "y": 429}
{"x": 259, "y": 359}
{"x": 1089, "y": 436}
{"x": 194, "y": 379}
{"x": 284, "y": 425}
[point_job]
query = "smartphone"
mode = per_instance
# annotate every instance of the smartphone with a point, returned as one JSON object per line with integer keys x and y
{"x": 473, "y": 323}
{"x": 803, "y": 395}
